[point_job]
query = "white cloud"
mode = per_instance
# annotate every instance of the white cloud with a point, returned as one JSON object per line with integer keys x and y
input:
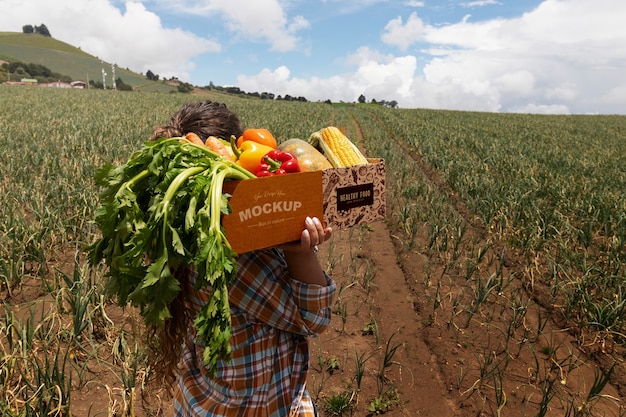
{"x": 613, "y": 98}
{"x": 564, "y": 53}
{"x": 541, "y": 109}
{"x": 373, "y": 79}
{"x": 414, "y": 3}
{"x": 521, "y": 83}
{"x": 563, "y": 91}
{"x": 133, "y": 37}
{"x": 258, "y": 20}
{"x": 280, "y": 82}
{"x": 404, "y": 35}
{"x": 571, "y": 49}
{"x": 479, "y": 3}
{"x": 365, "y": 55}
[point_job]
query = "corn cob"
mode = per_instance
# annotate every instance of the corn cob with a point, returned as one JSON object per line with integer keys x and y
{"x": 338, "y": 149}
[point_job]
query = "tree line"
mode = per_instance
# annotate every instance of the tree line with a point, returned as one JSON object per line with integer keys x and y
{"x": 36, "y": 71}
{"x": 41, "y": 30}
{"x": 43, "y": 74}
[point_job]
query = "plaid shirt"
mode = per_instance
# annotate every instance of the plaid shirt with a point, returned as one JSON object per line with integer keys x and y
{"x": 272, "y": 317}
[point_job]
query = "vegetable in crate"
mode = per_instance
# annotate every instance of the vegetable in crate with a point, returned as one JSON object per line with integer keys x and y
{"x": 277, "y": 162}
{"x": 217, "y": 145}
{"x": 161, "y": 211}
{"x": 262, "y": 136}
{"x": 309, "y": 158}
{"x": 336, "y": 146}
{"x": 250, "y": 154}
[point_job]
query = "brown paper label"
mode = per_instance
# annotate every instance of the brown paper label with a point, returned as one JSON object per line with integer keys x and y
{"x": 355, "y": 196}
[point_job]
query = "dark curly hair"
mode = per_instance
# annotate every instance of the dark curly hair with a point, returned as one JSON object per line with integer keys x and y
{"x": 204, "y": 118}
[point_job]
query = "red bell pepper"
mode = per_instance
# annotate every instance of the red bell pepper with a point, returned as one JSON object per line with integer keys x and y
{"x": 277, "y": 162}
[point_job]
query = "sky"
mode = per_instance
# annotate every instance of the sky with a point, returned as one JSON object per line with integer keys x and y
{"x": 522, "y": 56}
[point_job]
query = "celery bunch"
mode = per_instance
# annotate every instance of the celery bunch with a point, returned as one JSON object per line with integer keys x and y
{"x": 161, "y": 211}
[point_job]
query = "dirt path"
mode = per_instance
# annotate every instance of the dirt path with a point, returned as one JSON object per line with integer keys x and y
{"x": 426, "y": 393}
{"x": 391, "y": 305}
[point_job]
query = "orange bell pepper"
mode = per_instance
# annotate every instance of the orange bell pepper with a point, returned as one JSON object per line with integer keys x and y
{"x": 262, "y": 136}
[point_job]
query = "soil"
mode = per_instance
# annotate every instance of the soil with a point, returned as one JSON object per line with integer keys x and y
{"x": 441, "y": 363}
{"x": 413, "y": 325}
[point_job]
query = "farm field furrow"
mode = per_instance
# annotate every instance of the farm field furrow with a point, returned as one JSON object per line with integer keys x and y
{"x": 495, "y": 286}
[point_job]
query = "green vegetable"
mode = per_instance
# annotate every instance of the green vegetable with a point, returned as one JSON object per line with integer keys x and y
{"x": 161, "y": 211}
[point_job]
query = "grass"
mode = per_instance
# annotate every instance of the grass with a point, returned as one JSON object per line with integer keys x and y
{"x": 338, "y": 404}
{"x": 38, "y": 41}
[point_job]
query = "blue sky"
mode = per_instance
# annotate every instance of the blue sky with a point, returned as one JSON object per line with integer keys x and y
{"x": 531, "y": 56}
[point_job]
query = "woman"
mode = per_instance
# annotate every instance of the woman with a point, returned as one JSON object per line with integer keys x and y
{"x": 280, "y": 298}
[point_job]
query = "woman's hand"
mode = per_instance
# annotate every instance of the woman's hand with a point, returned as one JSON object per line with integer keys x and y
{"x": 300, "y": 256}
{"x": 313, "y": 235}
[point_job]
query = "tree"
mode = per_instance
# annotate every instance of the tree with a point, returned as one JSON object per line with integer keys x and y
{"x": 362, "y": 98}
{"x": 20, "y": 71}
{"x": 152, "y": 76}
{"x": 27, "y": 29}
{"x": 121, "y": 85}
{"x": 185, "y": 87}
{"x": 42, "y": 30}
{"x": 38, "y": 70}
{"x": 96, "y": 84}
{"x": 233, "y": 90}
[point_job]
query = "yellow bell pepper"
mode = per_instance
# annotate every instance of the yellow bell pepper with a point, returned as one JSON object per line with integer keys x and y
{"x": 250, "y": 154}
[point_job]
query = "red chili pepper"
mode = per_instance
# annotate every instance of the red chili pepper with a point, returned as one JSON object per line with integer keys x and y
{"x": 276, "y": 162}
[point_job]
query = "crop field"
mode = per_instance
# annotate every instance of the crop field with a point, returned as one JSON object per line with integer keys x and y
{"x": 495, "y": 286}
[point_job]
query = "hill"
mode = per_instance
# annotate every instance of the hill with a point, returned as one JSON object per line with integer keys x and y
{"x": 63, "y": 58}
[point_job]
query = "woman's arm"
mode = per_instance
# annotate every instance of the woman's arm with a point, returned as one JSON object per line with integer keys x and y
{"x": 301, "y": 259}
{"x": 286, "y": 287}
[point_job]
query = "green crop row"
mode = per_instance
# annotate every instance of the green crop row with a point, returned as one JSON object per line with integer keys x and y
{"x": 550, "y": 186}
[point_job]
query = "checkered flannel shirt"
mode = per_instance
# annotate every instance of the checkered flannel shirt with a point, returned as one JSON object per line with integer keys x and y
{"x": 273, "y": 316}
